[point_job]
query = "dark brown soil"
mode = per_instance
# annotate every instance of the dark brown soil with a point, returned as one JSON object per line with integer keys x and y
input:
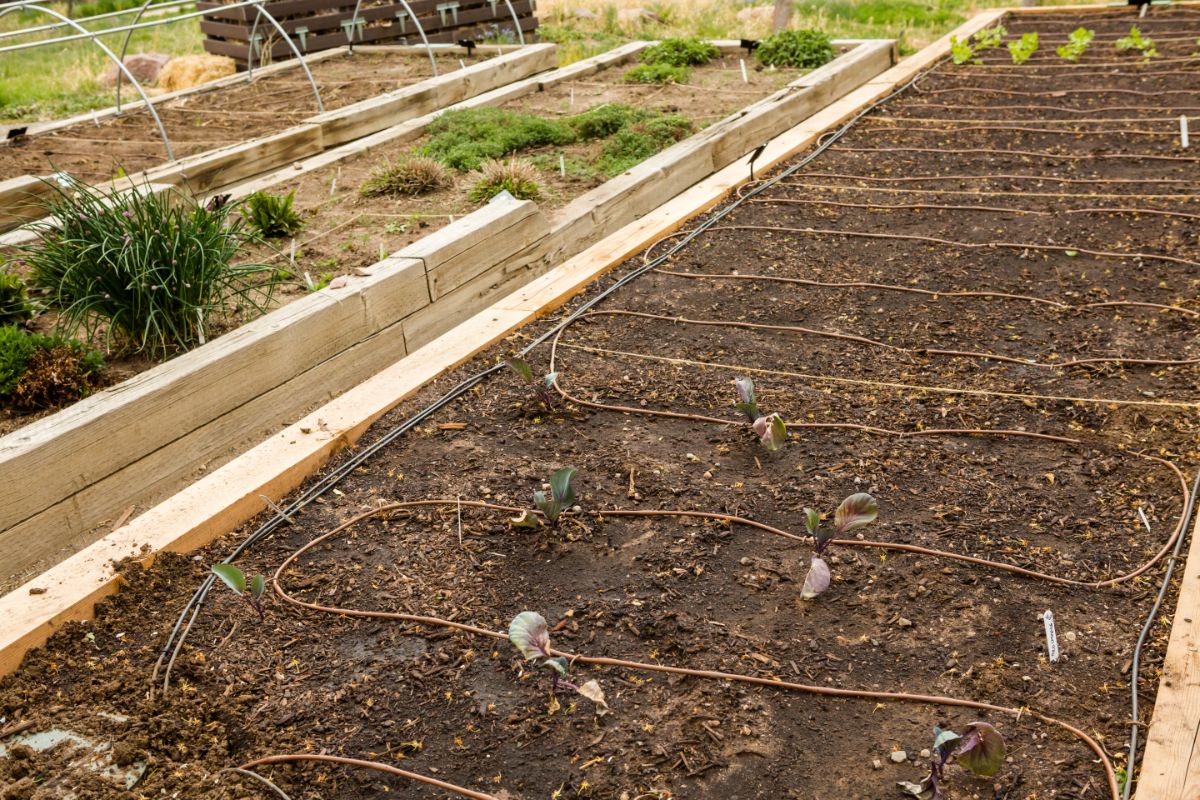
{"x": 219, "y": 118}
{"x": 694, "y": 593}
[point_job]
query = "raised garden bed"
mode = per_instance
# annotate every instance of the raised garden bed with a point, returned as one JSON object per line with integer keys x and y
{"x": 314, "y": 348}
{"x": 240, "y": 129}
{"x": 986, "y": 470}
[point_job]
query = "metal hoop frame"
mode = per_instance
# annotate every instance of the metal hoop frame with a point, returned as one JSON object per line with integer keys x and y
{"x": 121, "y": 69}
{"x": 420, "y": 29}
{"x": 262, "y": 12}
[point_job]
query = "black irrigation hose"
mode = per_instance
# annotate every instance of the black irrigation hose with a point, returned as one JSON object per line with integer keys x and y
{"x": 1137, "y": 651}
{"x": 175, "y": 640}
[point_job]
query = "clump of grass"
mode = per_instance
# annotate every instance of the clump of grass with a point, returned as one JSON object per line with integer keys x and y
{"x": 415, "y": 175}
{"x": 152, "y": 270}
{"x": 604, "y": 120}
{"x": 680, "y": 52}
{"x": 464, "y": 139}
{"x": 15, "y": 305}
{"x": 806, "y": 49}
{"x": 516, "y": 176}
{"x": 658, "y": 73}
{"x": 635, "y": 144}
{"x": 272, "y": 215}
{"x": 38, "y": 371}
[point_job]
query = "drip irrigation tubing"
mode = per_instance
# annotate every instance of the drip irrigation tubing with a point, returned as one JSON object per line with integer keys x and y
{"x": 1039, "y": 120}
{"x": 1057, "y": 93}
{"x": 912, "y": 387}
{"x": 977, "y": 193}
{"x": 849, "y": 337}
{"x": 912, "y": 237}
{"x": 1018, "y": 129}
{"x": 854, "y": 694}
{"x": 178, "y": 634}
{"x": 988, "y": 177}
{"x": 935, "y": 294}
{"x": 984, "y": 151}
{"x": 1056, "y": 109}
{"x": 1112, "y": 72}
{"x": 997, "y": 209}
{"x": 375, "y": 765}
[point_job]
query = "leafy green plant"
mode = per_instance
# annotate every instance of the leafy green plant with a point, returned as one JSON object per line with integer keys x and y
{"x": 272, "y": 215}
{"x": 680, "y": 52}
{"x": 980, "y": 749}
{"x": 658, "y": 73}
{"x": 856, "y": 511}
{"x": 604, "y": 120}
{"x": 249, "y": 589}
{"x": 15, "y": 305}
{"x": 633, "y": 145}
{"x": 542, "y": 389}
{"x": 529, "y": 633}
{"x": 963, "y": 51}
{"x": 1077, "y": 44}
{"x": 562, "y": 495}
{"x": 39, "y": 371}
{"x": 990, "y": 37}
{"x": 1135, "y": 41}
{"x": 805, "y": 49}
{"x": 465, "y": 138}
{"x": 415, "y": 175}
{"x": 516, "y": 176}
{"x": 770, "y": 428}
{"x": 152, "y": 269}
{"x": 1022, "y": 49}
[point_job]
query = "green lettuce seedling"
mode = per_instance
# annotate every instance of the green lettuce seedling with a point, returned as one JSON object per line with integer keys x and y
{"x": 251, "y": 590}
{"x": 1077, "y": 44}
{"x": 529, "y": 633}
{"x": 1023, "y": 48}
{"x": 856, "y": 511}
{"x": 979, "y": 749}
{"x": 1135, "y": 41}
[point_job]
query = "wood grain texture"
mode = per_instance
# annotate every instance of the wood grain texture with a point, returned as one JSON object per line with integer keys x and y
{"x": 21, "y": 200}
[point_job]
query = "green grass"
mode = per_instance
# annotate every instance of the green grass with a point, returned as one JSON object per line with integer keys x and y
{"x": 63, "y": 79}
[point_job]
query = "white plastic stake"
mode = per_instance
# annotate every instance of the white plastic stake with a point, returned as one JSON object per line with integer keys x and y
{"x": 1183, "y": 130}
{"x": 1145, "y": 7}
{"x": 745, "y": 77}
{"x": 562, "y": 165}
{"x": 572, "y": 103}
{"x": 333, "y": 186}
{"x": 1051, "y": 637}
{"x": 462, "y": 64}
{"x": 96, "y": 119}
{"x": 382, "y": 254}
{"x": 293, "y": 255}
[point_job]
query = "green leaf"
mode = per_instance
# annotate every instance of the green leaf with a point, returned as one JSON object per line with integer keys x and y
{"x": 560, "y": 486}
{"x": 526, "y": 520}
{"x": 981, "y": 749}
{"x": 812, "y": 521}
{"x": 520, "y": 367}
{"x": 551, "y": 377}
{"x": 772, "y": 431}
{"x": 1072, "y": 253}
{"x": 856, "y": 511}
{"x": 231, "y": 576}
{"x": 529, "y": 634}
{"x": 559, "y": 664}
{"x": 944, "y": 741}
{"x": 258, "y": 585}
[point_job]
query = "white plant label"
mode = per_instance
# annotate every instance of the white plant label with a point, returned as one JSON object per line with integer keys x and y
{"x": 462, "y": 64}
{"x": 1051, "y": 637}
{"x": 745, "y": 77}
{"x": 96, "y": 119}
{"x": 1183, "y": 130}
{"x": 562, "y": 165}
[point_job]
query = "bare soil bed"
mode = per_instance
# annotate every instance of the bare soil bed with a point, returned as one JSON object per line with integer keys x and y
{"x": 995, "y": 458}
{"x": 208, "y": 120}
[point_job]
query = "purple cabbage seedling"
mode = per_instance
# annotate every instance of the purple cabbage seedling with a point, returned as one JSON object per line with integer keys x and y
{"x": 979, "y": 749}
{"x": 856, "y": 511}
{"x": 770, "y": 429}
{"x": 542, "y": 389}
{"x": 530, "y": 635}
{"x": 251, "y": 590}
{"x": 562, "y": 495}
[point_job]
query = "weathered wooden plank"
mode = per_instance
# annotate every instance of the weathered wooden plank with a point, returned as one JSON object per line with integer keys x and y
{"x": 214, "y": 168}
{"x": 21, "y": 200}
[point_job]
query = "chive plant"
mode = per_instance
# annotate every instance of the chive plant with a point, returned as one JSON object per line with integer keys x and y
{"x": 151, "y": 271}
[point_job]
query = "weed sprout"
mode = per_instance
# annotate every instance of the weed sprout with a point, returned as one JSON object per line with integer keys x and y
{"x": 542, "y": 389}
{"x": 856, "y": 511}
{"x": 251, "y": 590}
{"x": 979, "y": 749}
{"x": 529, "y": 633}
{"x": 770, "y": 429}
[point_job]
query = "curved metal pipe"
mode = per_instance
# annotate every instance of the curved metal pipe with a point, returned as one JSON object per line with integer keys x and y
{"x": 516, "y": 22}
{"x": 424, "y": 38}
{"x": 125, "y": 48}
{"x": 120, "y": 65}
{"x": 53, "y": 26}
{"x": 262, "y": 12}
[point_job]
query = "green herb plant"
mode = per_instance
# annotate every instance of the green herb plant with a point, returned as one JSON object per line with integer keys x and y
{"x": 530, "y": 634}
{"x": 658, "y": 73}
{"x": 249, "y": 589}
{"x": 1077, "y": 44}
{"x": 40, "y": 371}
{"x": 803, "y": 49}
{"x": 688, "y": 52}
{"x": 980, "y": 749}
{"x": 1135, "y": 41}
{"x": 272, "y": 215}
{"x": 561, "y": 497}
{"x": 963, "y": 51}
{"x": 1022, "y": 49}
{"x": 15, "y": 305}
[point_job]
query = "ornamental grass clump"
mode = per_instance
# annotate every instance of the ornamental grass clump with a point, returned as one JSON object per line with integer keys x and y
{"x": 516, "y": 176}
{"x": 412, "y": 176}
{"x": 150, "y": 272}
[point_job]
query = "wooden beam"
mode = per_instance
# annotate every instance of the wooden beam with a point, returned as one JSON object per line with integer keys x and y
{"x": 21, "y": 200}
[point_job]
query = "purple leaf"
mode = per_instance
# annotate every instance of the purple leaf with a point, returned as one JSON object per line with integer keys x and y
{"x": 772, "y": 431}
{"x": 856, "y": 511}
{"x": 747, "y": 404}
{"x": 817, "y": 579}
{"x": 981, "y": 749}
{"x": 529, "y": 634}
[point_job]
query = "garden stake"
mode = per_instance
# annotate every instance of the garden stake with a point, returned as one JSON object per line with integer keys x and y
{"x": 1183, "y": 130}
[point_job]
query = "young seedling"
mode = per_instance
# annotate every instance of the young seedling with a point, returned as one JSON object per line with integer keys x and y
{"x": 968, "y": 50}
{"x": 542, "y": 389}
{"x": 1077, "y": 44}
{"x": 562, "y": 496}
{"x": 530, "y": 635}
{"x": 1023, "y": 48}
{"x": 770, "y": 429}
{"x": 1135, "y": 41}
{"x": 979, "y": 749}
{"x": 856, "y": 511}
{"x": 249, "y": 590}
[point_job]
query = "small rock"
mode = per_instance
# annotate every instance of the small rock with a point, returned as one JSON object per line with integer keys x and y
{"x": 925, "y": 753}
{"x": 904, "y": 622}
{"x": 877, "y": 764}
{"x": 899, "y": 757}
{"x": 745, "y": 561}
{"x": 38, "y": 590}
{"x": 143, "y": 66}
{"x": 583, "y": 13}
